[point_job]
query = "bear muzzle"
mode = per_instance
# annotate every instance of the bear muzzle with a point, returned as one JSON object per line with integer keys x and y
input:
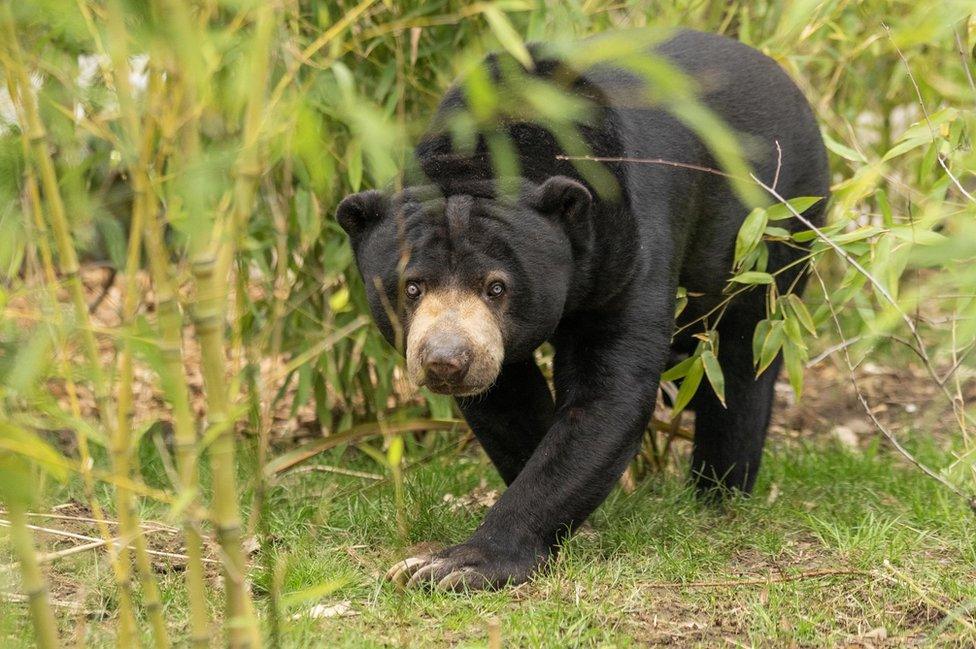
{"x": 454, "y": 345}
{"x": 446, "y": 359}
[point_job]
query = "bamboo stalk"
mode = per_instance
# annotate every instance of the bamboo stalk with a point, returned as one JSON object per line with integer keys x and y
{"x": 248, "y": 166}
{"x": 176, "y": 389}
{"x": 183, "y": 82}
{"x": 259, "y": 513}
{"x": 208, "y": 318}
{"x": 211, "y": 270}
{"x": 40, "y": 158}
{"x": 143, "y": 203}
{"x": 35, "y": 586}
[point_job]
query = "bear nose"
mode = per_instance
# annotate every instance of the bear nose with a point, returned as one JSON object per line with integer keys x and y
{"x": 447, "y": 360}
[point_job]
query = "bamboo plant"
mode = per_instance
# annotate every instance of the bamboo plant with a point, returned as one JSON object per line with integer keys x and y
{"x": 69, "y": 268}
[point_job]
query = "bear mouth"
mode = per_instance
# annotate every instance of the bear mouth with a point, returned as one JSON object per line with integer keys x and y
{"x": 456, "y": 390}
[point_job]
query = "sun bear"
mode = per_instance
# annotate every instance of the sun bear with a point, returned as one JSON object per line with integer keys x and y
{"x": 469, "y": 272}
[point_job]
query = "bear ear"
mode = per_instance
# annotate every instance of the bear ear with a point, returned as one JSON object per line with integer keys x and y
{"x": 359, "y": 212}
{"x": 562, "y": 197}
{"x": 568, "y": 202}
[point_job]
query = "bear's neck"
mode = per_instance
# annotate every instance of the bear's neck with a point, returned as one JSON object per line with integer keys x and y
{"x": 604, "y": 272}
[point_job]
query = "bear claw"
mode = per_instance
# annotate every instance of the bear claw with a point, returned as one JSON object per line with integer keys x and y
{"x": 429, "y": 571}
{"x": 401, "y": 571}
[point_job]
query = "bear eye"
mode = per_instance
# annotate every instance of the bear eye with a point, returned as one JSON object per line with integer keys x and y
{"x": 496, "y": 289}
{"x": 413, "y": 289}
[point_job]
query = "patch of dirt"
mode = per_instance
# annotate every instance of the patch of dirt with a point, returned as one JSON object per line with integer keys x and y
{"x": 903, "y": 397}
{"x": 478, "y": 499}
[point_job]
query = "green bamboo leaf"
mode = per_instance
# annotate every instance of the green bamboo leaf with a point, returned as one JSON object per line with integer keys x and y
{"x": 354, "y": 165}
{"x": 800, "y": 204}
{"x": 689, "y": 385}
{"x": 758, "y": 338}
{"x": 774, "y": 232}
{"x": 881, "y": 198}
{"x": 308, "y": 216}
{"x": 794, "y": 358}
{"x": 679, "y": 370}
{"x": 750, "y": 232}
{"x": 842, "y": 150}
{"x": 906, "y": 146}
{"x": 753, "y": 277}
{"x": 30, "y": 447}
{"x": 313, "y": 593}
{"x": 507, "y": 36}
{"x": 802, "y": 314}
{"x": 861, "y": 233}
{"x": 919, "y": 235}
{"x": 791, "y": 326}
{"x": 714, "y": 373}
{"x": 771, "y": 346}
{"x": 680, "y": 303}
{"x": 31, "y": 361}
{"x": 441, "y": 406}
{"x": 113, "y": 236}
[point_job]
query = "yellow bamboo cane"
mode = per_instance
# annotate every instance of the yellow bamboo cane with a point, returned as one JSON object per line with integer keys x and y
{"x": 176, "y": 388}
{"x": 34, "y": 584}
{"x": 211, "y": 269}
{"x": 143, "y": 203}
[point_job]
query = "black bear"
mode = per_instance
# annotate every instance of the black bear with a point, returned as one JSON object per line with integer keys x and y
{"x": 468, "y": 274}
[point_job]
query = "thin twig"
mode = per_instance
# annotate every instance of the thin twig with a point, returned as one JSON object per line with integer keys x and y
{"x": 831, "y": 350}
{"x": 779, "y": 163}
{"x": 964, "y": 59}
{"x": 325, "y": 468}
{"x": 149, "y": 525}
{"x": 959, "y": 360}
{"x": 20, "y": 598}
{"x": 903, "y": 578}
{"x": 104, "y": 290}
{"x": 654, "y": 161}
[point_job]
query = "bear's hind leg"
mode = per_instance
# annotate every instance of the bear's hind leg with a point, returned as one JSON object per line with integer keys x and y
{"x": 729, "y": 439}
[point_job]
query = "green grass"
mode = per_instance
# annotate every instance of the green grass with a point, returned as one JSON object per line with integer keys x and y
{"x": 613, "y": 584}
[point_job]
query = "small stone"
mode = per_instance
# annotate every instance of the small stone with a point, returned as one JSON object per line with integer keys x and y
{"x": 846, "y": 436}
{"x": 880, "y": 633}
{"x": 860, "y": 425}
{"x": 341, "y": 609}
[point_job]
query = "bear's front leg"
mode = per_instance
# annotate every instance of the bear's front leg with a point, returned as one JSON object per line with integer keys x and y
{"x": 606, "y": 384}
{"x": 511, "y": 417}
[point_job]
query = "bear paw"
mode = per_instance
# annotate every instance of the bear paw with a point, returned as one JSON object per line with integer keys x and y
{"x": 465, "y": 567}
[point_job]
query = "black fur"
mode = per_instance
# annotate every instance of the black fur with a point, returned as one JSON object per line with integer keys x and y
{"x": 594, "y": 271}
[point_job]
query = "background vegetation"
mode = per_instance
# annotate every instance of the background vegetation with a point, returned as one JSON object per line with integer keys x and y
{"x": 182, "y": 326}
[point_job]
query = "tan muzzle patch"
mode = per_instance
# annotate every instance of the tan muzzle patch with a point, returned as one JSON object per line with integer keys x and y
{"x": 454, "y": 344}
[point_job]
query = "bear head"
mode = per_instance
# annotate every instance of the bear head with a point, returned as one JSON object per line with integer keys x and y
{"x": 465, "y": 278}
